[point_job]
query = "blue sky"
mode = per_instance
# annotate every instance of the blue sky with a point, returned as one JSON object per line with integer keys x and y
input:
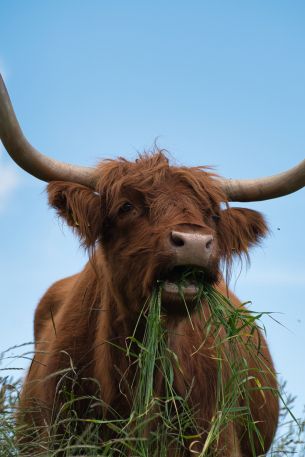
{"x": 218, "y": 83}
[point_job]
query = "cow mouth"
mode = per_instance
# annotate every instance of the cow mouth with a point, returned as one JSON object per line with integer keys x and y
{"x": 182, "y": 286}
{"x": 183, "y": 279}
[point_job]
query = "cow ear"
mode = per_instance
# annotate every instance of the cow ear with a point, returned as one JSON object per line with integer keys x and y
{"x": 80, "y": 207}
{"x": 239, "y": 229}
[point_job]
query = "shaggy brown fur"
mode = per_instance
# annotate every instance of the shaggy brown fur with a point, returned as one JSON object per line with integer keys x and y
{"x": 80, "y": 317}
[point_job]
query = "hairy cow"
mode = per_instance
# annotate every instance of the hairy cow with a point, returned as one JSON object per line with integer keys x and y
{"x": 143, "y": 223}
{"x": 143, "y": 220}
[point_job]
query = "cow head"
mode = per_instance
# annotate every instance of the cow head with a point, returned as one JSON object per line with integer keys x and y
{"x": 151, "y": 222}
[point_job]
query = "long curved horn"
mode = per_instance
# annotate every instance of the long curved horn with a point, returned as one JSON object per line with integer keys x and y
{"x": 27, "y": 157}
{"x": 250, "y": 190}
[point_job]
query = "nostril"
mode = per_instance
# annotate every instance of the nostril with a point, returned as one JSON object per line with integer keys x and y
{"x": 176, "y": 239}
{"x": 209, "y": 244}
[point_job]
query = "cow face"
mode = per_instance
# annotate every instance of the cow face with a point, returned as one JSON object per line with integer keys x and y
{"x": 153, "y": 223}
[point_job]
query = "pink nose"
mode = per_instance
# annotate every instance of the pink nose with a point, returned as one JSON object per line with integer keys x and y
{"x": 191, "y": 248}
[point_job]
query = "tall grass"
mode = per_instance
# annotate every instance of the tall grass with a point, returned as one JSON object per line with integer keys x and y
{"x": 160, "y": 419}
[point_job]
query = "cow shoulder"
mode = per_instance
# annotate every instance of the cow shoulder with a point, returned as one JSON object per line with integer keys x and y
{"x": 51, "y": 302}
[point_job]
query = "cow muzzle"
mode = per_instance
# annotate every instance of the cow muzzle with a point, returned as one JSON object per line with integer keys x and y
{"x": 191, "y": 248}
{"x": 192, "y": 260}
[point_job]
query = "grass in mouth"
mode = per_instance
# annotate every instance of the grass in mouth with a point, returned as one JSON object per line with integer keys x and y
{"x": 160, "y": 418}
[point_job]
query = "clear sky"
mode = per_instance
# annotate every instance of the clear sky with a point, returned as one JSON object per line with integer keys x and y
{"x": 219, "y": 83}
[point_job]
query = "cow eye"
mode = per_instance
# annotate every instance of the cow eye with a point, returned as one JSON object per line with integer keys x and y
{"x": 215, "y": 217}
{"x": 125, "y": 208}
